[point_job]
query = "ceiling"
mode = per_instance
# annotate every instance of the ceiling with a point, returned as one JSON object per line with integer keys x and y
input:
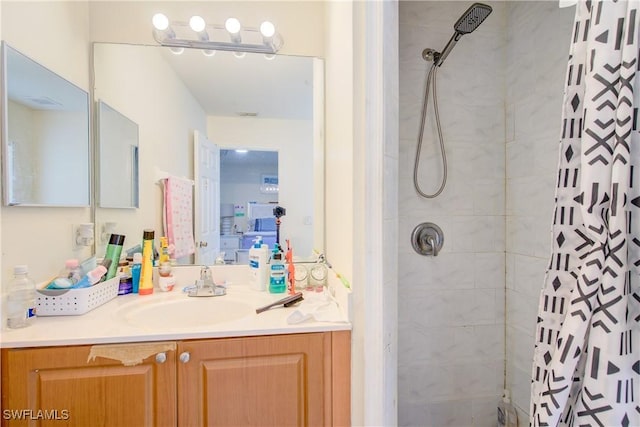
{"x": 225, "y": 85}
{"x": 249, "y": 159}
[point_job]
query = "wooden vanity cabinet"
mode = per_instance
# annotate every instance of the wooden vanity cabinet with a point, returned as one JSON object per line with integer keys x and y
{"x": 58, "y": 386}
{"x": 279, "y": 380}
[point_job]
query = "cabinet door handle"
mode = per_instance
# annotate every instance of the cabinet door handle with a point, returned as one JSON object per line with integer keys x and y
{"x": 161, "y": 357}
{"x": 184, "y": 357}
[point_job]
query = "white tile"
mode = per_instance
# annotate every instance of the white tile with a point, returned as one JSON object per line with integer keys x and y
{"x": 472, "y": 307}
{"x": 477, "y": 379}
{"x": 485, "y": 410}
{"x": 522, "y": 312}
{"x": 489, "y": 270}
{"x": 509, "y": 269}
{"x": 529, "y": 275}
{"x": 456, "y": 413}
{"x": 425, "y": 344}
{"x": 425, "y": 382}
{"x": 520, "y": 345}
{"x": 413, "y": 414}
{"x": 488, "y": 196}
{"x": 519, "y": 162}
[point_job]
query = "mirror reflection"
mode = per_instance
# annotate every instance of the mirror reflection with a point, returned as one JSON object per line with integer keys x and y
{"x": 255, "y": 103}
{"x": 45, "y": 136}
{"x": 248, "y": 194}
{"x": 118, "y": 159}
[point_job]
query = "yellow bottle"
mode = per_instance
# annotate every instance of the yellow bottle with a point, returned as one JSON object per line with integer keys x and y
{"x": 164, "y": 250}
{"x": 146, "y": 273}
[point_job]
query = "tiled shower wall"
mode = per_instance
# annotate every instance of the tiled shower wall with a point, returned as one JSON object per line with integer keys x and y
{"x": 451, "y": 307}
{"x": 500, "y": 94}
{"x": 538, "y": 37}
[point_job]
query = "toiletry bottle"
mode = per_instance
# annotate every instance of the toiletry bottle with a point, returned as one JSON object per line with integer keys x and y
{"x": 166, "y": 281}
{"x": 278, "y": 276}
{"x": 146, "y": 273}
{"x": 114, "y": 249}
{"x": 21, "y": 301}
{"x": 258, "y": 259}
{"x": 73, "y": 270}
{"x": 91, "y": 278}
{"x": 69, "y": 276}
{"x": 135, "y": 272}
{"x": 164, "y": 251}
{"x": 507, "y": 415}
{"x": 291, "y": 269}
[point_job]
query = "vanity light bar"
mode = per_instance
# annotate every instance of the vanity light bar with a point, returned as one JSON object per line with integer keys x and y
{"x": 198, "y": 34}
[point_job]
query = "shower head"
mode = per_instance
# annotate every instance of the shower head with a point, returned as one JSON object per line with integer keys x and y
{"x": 472, "y": 18}
{"x": 467, "y": 23}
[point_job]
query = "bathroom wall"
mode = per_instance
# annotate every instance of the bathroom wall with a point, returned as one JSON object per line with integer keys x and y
{"x": 57, "y": 36}
{"x": 451, "y": 307}
{"x": 300, "y": 22}
{"x": 538, "y": 37}
{"x": 165, "y": 126}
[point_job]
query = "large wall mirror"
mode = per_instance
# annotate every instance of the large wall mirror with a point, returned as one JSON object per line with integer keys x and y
{"x": 255, "y": 108}
{"x": 45, "y": 136}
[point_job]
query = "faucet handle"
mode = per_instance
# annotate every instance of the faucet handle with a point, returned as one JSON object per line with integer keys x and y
{"x": 205, "y": 274}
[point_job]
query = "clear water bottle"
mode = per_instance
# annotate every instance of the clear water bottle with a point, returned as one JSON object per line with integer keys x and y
{"x": 21, "y": 301}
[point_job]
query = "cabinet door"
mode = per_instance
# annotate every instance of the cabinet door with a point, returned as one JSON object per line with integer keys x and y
{"x": 258, "y": 381}
{"x": 46, "y": 385}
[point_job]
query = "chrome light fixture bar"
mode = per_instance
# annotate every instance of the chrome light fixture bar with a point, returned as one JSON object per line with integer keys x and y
{"x": 198, "y": 34}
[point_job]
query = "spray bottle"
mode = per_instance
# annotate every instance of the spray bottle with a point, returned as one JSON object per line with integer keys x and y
{"x": 507, "y": 416}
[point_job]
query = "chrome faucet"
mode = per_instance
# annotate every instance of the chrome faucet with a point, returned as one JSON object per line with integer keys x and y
{"x": 205, "y": 286}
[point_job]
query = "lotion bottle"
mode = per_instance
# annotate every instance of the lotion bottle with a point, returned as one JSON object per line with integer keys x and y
{"x": 258, "y": 259}
{"x": 146, "y": 272}
{"x": 114, "y": 249}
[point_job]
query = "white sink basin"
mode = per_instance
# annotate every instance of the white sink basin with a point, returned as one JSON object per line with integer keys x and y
{"x": 184, "y": 312}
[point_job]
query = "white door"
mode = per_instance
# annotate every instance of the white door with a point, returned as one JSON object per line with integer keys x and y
{"x": 206, "y": 163}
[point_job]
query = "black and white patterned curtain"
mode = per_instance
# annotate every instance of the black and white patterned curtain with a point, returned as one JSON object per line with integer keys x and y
{"x": 586, "y": 367}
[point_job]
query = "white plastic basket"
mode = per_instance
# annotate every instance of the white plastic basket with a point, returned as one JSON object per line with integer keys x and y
{"x": 70, "y": 302}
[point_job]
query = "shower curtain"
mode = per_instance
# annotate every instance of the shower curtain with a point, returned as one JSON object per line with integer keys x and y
{"x": 586, "y": 367}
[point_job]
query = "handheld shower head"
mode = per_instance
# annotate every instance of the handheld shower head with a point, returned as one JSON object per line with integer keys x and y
{"x": 467, "y": 23}
{"x": 472, "y": 18}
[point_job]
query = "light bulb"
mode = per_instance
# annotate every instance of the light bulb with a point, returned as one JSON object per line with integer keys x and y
{"x": 232, "y": 25}
{"x": 269, "y": 56}
{"x": 208, "y": 52}
{"x": 197, "y": 23}
{"x": 160, "y": 22}
{"x": 239, "y": 55}
{"x": 177, "y": 50}
{"x": 267, "y": 29}
{"x": 241, "y": 151}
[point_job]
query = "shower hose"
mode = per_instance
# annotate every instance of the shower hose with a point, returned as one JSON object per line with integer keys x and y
{"x": 431, "y": 79}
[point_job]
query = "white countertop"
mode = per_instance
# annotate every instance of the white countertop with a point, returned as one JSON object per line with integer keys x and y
{"x": 112, "y": 322}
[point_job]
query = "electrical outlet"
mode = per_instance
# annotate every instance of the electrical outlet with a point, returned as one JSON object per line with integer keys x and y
{"x": 82, "y": 235}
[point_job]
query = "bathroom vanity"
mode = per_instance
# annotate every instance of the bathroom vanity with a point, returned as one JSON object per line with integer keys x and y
{"x": 291, "y": 379}
{"x": 164, "y": 360}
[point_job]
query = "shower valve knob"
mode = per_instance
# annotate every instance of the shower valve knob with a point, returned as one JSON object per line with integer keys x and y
{"x": 427, "y": 239}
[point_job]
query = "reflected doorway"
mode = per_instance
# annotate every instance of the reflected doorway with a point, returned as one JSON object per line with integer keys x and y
{"x": 248, "y": 189}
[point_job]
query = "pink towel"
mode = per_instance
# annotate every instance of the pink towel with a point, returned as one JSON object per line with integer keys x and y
{"x": 178, "y": 215}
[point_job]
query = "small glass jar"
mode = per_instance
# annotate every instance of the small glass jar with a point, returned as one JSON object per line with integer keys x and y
{"x": 301, "y": 277}
{"x": 318, "y": 277}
